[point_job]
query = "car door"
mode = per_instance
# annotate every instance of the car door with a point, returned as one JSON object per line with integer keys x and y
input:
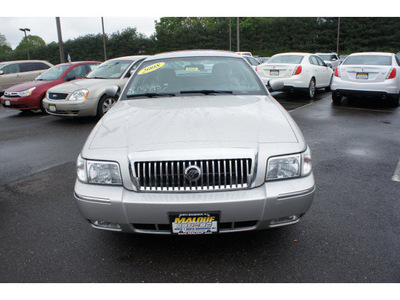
{"x": 316, "y": 71}
{"x": 325, "y": 73}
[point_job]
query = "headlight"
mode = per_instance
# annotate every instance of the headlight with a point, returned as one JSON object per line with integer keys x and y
{"x": 79, "y": 95}
{"x": 289, "y": 166}
{"x": 98, "y": 172}
{"x": 26, "y": 92}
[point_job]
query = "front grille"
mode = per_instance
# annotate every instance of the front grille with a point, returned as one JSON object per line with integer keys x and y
{"x": 58, "y": 96}
{"x": 214, "y": 174}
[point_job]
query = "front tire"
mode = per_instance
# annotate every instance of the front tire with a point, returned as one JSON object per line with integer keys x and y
{"x": 311, "y": 89}
{"x": 105, "y": 103}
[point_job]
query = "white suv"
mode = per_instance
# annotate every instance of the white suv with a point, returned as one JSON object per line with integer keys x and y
{"x": 371, "y": 74}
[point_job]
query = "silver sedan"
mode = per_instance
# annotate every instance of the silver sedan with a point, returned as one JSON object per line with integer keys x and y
{"x": 195, "y": 145}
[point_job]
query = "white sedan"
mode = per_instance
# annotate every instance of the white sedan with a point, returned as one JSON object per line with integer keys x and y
{"x": 298, "y": 71}
{"x": 368, "y": 74}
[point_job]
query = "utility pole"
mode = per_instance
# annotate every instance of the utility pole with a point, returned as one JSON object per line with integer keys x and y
{"x": 60, "y": 42}
{"x": 104, "y": 39}
{"x": 338, "y": 33}
{"x": 237, "y": 34}
{"x": 26, "y": 40}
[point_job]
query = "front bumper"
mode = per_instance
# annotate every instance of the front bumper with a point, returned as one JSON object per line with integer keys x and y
{"x": 21, "y": 103}
{"x": 67, "y": 108}
{"x": 262, "y": 207}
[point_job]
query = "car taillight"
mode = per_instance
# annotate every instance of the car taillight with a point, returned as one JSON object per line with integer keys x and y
{"x": 337, "y": 72}
{"x": 298, "y": 70}
{"x": 256, "y": 68}
{"x": 392, "y": 74}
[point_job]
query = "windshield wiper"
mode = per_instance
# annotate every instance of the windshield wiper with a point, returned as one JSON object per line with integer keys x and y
{"x": 151, "y": 95}
{"x": 206, "y": 92}
{"x": 96, "y": 77}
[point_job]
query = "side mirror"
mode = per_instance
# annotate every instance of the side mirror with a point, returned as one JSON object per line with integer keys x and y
{"x": 113, "y": 91}
{"x": 69, "y": 78}
{"x": 276, "y": 85}
{"x": 329, "y": 65}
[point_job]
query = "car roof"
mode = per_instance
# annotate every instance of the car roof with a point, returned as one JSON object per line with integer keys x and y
{"x": 192, "y": 53}
{"x": 373, "y": 53}
{"x": 22, "y": 61}
{"x": 296, "y": 53}
{"x": 79, "y": 62}
{"x": 131, "y": 57}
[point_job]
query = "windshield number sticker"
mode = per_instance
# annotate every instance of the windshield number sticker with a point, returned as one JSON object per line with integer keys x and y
{"x": 151, "y": 68}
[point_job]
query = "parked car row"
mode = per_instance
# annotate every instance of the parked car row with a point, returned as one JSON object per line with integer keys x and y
{"x": 68, "y": 90}
{"x": 367, "y": 74}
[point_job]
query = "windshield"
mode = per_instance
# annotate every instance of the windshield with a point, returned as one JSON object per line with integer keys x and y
{"x": 378, "y": 60}
{"x": 286, "y": 59}
{"x": 53, "y": 73}
{"x": 194, "y": 75}
{"x": 110, "y": 69}
{"x": 1, "y": 65}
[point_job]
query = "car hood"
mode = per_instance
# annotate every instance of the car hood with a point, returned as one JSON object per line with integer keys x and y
{"x": 72, "y": 86}
{"x": 193, "y": 122}
{"x": 29, "y": 84}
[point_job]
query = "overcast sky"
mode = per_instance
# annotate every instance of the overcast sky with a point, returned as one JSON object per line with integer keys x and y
{"x": 82, "y": 17}
{"x": 71, "y": 27}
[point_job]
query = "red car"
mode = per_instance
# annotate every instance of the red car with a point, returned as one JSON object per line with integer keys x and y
{"x": 29, "y": 95}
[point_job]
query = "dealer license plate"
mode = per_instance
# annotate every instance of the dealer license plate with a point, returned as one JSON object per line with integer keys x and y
{"x": 194, "y": 223}
{"x": 362, "y": 76}
{"x": 8, "y": 103}
{"x": 52, "y": 108}
{"x": 274, "y": 72}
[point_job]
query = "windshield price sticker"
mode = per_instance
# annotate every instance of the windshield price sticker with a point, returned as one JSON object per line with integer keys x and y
{"x": 151, "y": 68}
{"x": 194, "y": 223}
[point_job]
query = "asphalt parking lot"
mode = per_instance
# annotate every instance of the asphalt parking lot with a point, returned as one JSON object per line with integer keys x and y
{"x": 351, "y": 234}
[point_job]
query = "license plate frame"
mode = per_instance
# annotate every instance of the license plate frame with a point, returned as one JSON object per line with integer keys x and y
{"x": 194, "y": 223}
{"x": 274, "y": 72}
{"x": 52, "y": 108}
{"x": 362, "y": 76}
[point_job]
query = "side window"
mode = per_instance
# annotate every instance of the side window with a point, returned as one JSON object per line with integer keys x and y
{"x": 11, "y": 69}
{"x": 252, "y": 61}
{"x": 397, "y": 60}
{"x": 134, "y": 67}
{"x": 26, "y": 67}
{"x": 90, "y": 68}
{"x": 80, "y": 71}
{"x": 320, "y": 61}
{"x": 313, "y": 60}
{"x": 41, "y": 66}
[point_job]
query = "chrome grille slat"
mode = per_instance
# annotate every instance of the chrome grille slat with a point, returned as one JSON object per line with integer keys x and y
{"x": 217, "y": 174}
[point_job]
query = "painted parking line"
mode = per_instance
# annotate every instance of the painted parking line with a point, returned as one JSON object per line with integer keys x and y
{"x": 396, "y": 175}
{"x": 300, "y": 107}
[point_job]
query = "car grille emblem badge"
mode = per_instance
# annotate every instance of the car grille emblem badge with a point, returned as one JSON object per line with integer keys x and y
{"x": 192, "y": 173}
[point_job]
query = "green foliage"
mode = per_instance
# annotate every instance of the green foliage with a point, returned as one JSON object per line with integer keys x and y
{"x": 260, "y": 35}
{"x": 33, "y": 42}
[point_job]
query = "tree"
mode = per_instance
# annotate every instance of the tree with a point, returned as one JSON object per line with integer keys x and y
{"x": 4, "y": 46}
{"x": 33, "y": 41}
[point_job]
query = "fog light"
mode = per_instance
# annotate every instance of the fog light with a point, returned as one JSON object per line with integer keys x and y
{"x": 106, "y": 225}
{"x": 289, "y": 219}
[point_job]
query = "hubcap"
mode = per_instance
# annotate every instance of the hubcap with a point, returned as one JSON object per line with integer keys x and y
{"x": 107, "y": 104}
